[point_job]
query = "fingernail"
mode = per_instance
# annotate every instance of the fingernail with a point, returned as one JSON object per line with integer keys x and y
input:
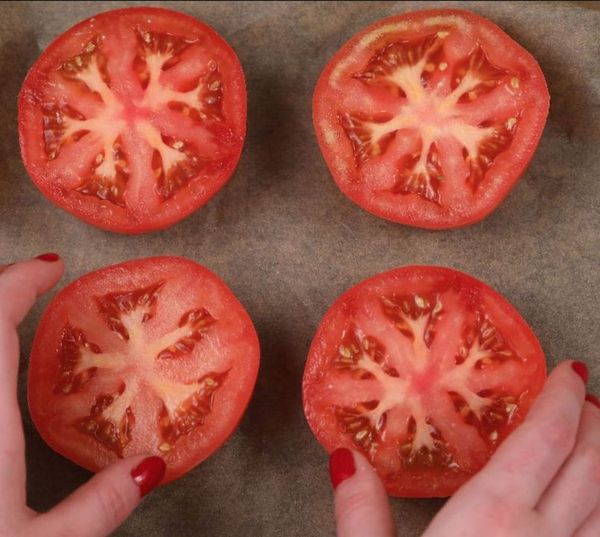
{"x": 148, "y": 474}
{"x": 581, "y": 369}
{"x": 341, "y": 466}
{"x": 50, "y": 257}
{"x": 593, "y": 399}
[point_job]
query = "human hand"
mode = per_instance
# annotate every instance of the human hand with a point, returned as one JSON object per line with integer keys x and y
{"x": 100, "y": 505}
{"x": 543, "y": 480}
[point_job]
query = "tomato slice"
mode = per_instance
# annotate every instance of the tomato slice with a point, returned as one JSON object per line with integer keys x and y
{"x": 150, "y": 356}
{"x": 426, "y": 370}
{"x": 430, "y": 118}
{"x": 133, "y": 119}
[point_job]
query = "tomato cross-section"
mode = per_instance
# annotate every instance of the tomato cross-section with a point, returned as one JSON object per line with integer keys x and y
{"x": 150, "y": 356}
{"x": 426, "y": 371}
{"x": 134, "y": 118}
{"x": 430, "y": 118}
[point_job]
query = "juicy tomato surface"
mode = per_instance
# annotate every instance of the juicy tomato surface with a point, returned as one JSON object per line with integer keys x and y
{"x": 425, "y": 370}
{"x": 430, "y": 118}
{"x": 150, "y": 356}
{"x": 133, "y": 119}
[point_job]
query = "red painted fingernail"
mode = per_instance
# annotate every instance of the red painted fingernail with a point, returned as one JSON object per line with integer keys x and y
{"x": 341, "y": 466}
{"x": 593, "y": 399}
{"x": 148, "y": 474}
{"x": 581, "y": 369}
{"x": 50, "y": 257}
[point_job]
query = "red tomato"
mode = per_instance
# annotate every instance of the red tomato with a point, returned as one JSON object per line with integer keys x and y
{"x": 133, "y": 119}
{"x": 430, "y": 118}
{"x": 150, "y": 356}
{"x": 426, "y": 370}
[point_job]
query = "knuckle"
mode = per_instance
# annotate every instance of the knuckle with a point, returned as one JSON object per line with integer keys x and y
{"x": 501, "y": 508}
{"x": 112, "y": 502}
{"x": 501, "y": 517}
{"x": 544, "y": 440}
{"x": 559, "y": 434}
{"x": 503, "y": 523}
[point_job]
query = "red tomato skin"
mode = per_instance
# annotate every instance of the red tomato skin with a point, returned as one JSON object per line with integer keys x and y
{"x": 424, "y": 221}
{"x": 89, "y": 460}
{"x": 428, "y": 484}
{"x": 121, "y": 222}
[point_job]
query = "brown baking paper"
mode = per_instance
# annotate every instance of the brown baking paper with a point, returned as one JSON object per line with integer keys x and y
{"x": 288, "y": 243}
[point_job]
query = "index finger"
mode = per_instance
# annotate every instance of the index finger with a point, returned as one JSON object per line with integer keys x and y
{"x": 361, "y": 503}
{"x": 20, "y": 285}
{"x": 525, "y": 464}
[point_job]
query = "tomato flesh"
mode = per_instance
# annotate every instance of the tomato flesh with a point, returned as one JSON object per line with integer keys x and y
{"x": 150, "y": 356}
{"x": 426, "y": 371}
{"x": 134, "y": 118}
{"x": 429, "y": 118}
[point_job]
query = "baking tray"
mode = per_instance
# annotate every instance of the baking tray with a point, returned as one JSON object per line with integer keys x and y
{"x": 288, "y": 243}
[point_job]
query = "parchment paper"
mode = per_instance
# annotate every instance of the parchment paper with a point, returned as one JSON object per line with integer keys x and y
{"x": 288, "y": 242}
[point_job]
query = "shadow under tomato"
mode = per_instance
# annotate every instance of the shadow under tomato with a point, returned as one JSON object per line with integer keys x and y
{"x": 276, "y": 406}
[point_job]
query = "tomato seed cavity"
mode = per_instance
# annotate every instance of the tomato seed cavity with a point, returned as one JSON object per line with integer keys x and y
{"x": 364, "y": 358}
{"x": 429, "y": 93}
{"x": 175, "y": 162}
{"x": 111, "y": 419}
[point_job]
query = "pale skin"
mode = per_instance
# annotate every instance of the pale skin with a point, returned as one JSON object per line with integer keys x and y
{"x": 543, "y": 480}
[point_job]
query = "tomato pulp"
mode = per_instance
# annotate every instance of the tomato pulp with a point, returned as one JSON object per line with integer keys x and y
{"x": 152, "y": 356}
{"x": 425, "y": 370}
{"x": 430, "y": 118}
{"x": 133, "y": 119}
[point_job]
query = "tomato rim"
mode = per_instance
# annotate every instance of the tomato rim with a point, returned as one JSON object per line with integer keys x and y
{"x": 356, "y": 195}
{"x": 55, "y": 195}
{"x": 316, "y": 363}
{"x": 45, "y": 326}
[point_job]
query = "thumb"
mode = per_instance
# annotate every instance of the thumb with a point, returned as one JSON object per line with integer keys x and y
{"x": 362, "y": 508}
{"x": 99, "y": 506}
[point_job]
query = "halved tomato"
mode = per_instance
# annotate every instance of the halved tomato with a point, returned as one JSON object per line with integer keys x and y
{"x": 133, "y": 119}
{"x": 425, "y": 370}
{"x": 430, "y": 118}
{"x": 152, "y": 356}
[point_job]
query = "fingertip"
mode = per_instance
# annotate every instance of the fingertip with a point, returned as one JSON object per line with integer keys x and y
{"x": 564, "y": 390}
{"x": 581, "y": 369}
{"x": 50, "y": 257}
{"x": 570, "y": 374}
{"x": 361, "y": 501}
{"x": 44, "y": 270}
{"x": 341, "y": 466}
{"x": 593, "y": 399}
{"x": 43, "y": 265}
{"x": 148, "y": 474}
{"x": 21, "y": 283}
{"x": 100, "y": 505}
{"x": 51, "y": 263}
